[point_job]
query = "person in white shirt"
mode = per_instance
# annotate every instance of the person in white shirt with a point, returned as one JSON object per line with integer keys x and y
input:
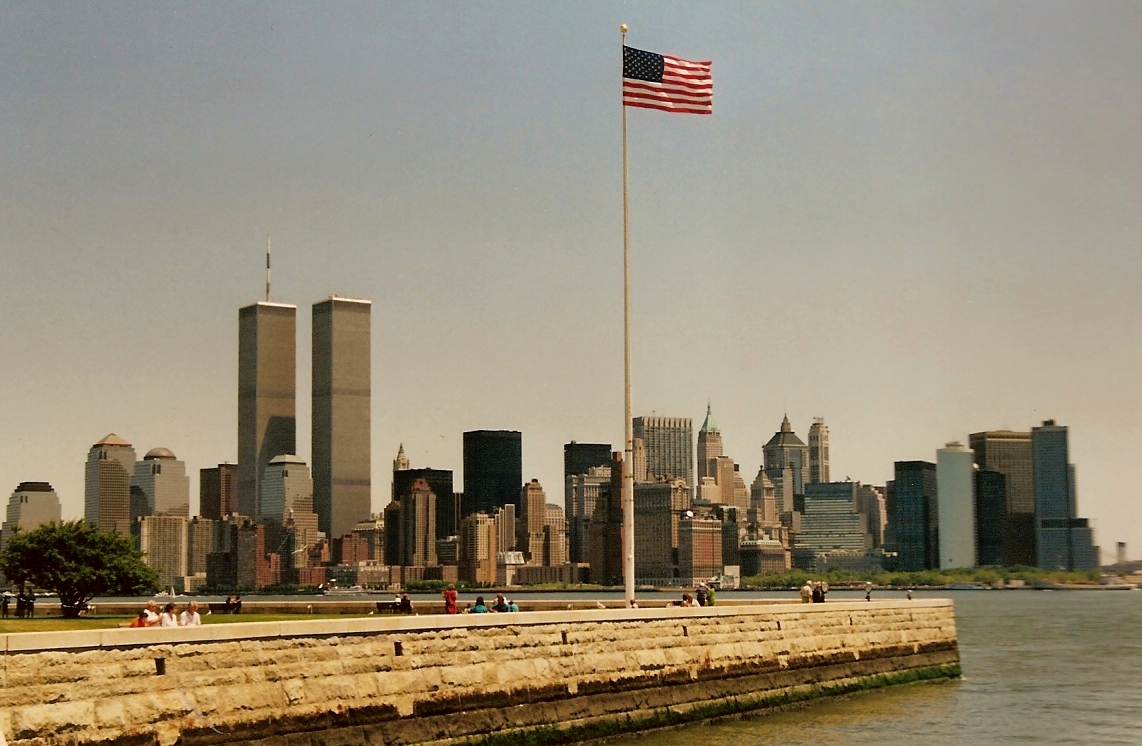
{"x": 807, "y": 593}
{"x": 169, "y": 617}
{"x": 190, "y": 617}
{"x": 152, "y": 619}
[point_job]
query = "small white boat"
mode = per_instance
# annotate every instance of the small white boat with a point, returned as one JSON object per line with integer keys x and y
{"x": 353, "y": 590}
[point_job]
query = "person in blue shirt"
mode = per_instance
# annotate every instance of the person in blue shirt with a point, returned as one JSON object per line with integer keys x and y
{"x": 480, "y": 607}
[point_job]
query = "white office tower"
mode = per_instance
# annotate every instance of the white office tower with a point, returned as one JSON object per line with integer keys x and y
{"x": 956, "y": 506}
{"x": 30, "y": 506}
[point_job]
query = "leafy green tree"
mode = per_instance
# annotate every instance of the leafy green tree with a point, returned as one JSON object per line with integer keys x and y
{"x": 77, "y": 561}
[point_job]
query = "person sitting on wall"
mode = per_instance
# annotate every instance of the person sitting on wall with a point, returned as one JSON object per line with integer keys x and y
{"x": 190, "y": 617}
{"x": 702, "y": 594}
{"x": 512, "y": 606}
{"x": 688, "y": 601}
{"x": 237, "y": 605}
{"x": 404, "y": 605}
{"x": 140, "y": 621}
{"x": 480, "y": 607}
{"x": 501, "y": 605}
{"x": 169, "y": 617}
{"x": 152, "y": 614}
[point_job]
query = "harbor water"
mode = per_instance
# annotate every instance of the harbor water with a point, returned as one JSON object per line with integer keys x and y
{"x": 1039, "y": 667}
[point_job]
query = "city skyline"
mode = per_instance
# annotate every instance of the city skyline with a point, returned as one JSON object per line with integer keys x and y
{"x": 943, "y": 197}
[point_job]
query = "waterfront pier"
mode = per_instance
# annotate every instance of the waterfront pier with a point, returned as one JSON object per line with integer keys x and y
{"x": 544, "y": 676}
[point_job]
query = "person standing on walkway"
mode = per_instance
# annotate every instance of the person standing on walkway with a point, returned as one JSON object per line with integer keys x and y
{"x": 807, "y": 592}
{"x": 449, "y": 595}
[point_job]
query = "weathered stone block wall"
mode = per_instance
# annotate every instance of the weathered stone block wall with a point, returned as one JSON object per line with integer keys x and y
{"x": 439, "y": 679}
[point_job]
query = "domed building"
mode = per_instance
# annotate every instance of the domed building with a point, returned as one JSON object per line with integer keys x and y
{"x": 161, "y": 479}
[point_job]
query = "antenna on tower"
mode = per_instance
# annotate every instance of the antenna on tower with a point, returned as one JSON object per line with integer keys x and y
{"x": 267, "y": 268}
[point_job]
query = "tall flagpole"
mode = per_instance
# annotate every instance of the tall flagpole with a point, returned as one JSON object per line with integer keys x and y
{"x": 628, "y": 461}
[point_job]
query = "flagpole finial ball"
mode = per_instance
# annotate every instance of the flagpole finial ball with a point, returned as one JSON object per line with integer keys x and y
{"x": 623, "y": 28}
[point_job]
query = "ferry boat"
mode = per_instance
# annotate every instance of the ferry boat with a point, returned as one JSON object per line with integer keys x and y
{"x": 353, "y": 590}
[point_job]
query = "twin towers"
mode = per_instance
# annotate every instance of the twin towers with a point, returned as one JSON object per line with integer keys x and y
{"x": 267, "y": 406}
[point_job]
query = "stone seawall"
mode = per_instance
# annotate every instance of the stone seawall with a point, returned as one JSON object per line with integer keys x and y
{"x": 546, "y": 676}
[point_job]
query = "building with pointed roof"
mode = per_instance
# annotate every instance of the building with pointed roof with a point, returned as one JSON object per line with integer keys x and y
{"x": 401, "y": 462}
{"x": 787, "y": 465}
{"x": 709, "y": 446}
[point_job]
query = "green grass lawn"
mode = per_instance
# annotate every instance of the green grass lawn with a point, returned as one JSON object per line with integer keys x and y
{"x": 55, "y": 623}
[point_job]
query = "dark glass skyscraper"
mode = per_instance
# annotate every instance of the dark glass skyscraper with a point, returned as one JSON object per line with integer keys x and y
{"x": 916, "y": 516}
{"x": 218, "y": 491}
{"x": 990, "y": 517}
{"x": 579, "y": 457}
{"x": 493, "y": 470}
{"x": 1063, "y": 541}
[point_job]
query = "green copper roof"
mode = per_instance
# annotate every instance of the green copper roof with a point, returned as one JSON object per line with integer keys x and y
{"x": 709, "y": 425}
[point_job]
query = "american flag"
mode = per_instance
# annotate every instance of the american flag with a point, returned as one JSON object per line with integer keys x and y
{"x": 659, "y": 81}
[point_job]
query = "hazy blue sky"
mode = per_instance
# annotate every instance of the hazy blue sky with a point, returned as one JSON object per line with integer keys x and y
{"x": 916, "y": 220}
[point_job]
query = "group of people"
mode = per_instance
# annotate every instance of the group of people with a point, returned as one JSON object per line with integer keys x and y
{"x": 500, "y": 605}
{"x": 814, "y": 592}
{"x": 25, "y": 605}
{"x": 703, "y": 596}
{"x": 169, "y": 617}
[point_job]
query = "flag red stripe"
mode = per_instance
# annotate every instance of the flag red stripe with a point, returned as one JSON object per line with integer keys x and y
{"x": 695, "y": 83}
{"x": 669, "y": 108}
{"x": 639, "y": 87}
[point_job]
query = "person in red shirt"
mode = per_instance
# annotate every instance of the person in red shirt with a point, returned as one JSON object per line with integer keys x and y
{"x": 450, "y": 600}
